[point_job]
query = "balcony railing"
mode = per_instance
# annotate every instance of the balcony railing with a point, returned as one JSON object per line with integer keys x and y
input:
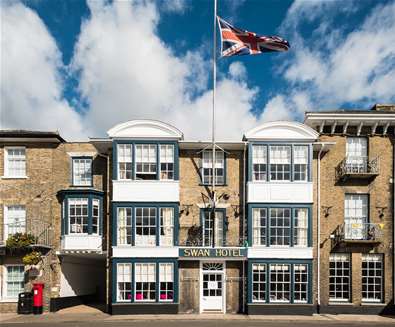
{"x": 359, "y": 232}
{"x": 196, "y": 238}
{"x": 358, "y": 167}
{"x": 42, "y": 232}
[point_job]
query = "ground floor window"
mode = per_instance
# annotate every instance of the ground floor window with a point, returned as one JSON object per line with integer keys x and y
{"x": 14, "y": 281}
{"x": 372, "y": 277}
{"x": 339, "y": 277}
{"x": 145, "y": 282}
{"x": 280, "y": 282}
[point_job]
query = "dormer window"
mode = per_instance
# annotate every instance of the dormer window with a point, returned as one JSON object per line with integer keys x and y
{"x": 146, "y": 161}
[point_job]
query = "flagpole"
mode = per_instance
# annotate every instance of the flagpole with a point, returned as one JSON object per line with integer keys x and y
{"x": 213, "y": 116}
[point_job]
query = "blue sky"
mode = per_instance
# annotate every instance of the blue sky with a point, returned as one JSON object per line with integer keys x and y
{"x": 85, "y": 66}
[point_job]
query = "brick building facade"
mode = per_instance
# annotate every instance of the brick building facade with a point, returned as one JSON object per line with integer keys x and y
{"x": 302, "y": 221}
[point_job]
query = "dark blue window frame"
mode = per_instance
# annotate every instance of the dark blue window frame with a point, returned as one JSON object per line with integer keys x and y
{"x": 66, "y": 195}
{"x": 225, "y": 169}
{"x": 72, "y": 170}
{"x": 134, "y": 143}
{"x": 291, "y": 262}
{"x": 224, "y": 223}
{"x": 291, "y": 144}
{"x": 290, "y": 206}
{"x": 133, "y": 206}
{"x": 133, "y": 261}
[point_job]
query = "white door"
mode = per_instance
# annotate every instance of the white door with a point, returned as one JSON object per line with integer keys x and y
{"x": 212, "y": 287}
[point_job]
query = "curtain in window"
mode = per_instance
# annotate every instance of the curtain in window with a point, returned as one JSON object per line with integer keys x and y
{"x": 280, "y": 154}
{"x": 167, "y": 225}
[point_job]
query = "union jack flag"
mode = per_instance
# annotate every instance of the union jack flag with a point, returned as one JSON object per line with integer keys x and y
{"x": 238, "y": 42}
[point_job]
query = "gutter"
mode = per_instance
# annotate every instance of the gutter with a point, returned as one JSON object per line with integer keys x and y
{"x": 243, "y": 223}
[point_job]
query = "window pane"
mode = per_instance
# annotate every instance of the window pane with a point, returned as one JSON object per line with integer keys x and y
{"x": 280, "y": 226}
{"x": 146, "y": 161}
{"x": 16, "y": 162}
{"x": 95, "y": 216}
{"x": 207, "y": 167}
{"x": 167, "y": 161}
{"x": 15, "y": 220}
{"x": 301, "y": 161}
{"x": 259, "y": 282}
{"x": 124, "y": 161}
{"x": 259, "y": 162}
{"x": 280, "y": 282}
{"x": 146, "y": 226}
{"x": 259, "y": 226}
{"x": 339, "y": 277}
{"x": 124, "y": 282}
{"x": 301, "y": 227}
{"x": 372, "y": 278}
{"x": 280, "y": 162}
{"x": 15, "y": 281}
{"x": 166, "y": 282}
{"x": 166, "y": 226}
{"x": 82, "y": 171}
{"x": 78, "y": 215}
{"x": 301, "y": 283}
{"x": 145, "y": 282}
{"x": 356, "y": 216}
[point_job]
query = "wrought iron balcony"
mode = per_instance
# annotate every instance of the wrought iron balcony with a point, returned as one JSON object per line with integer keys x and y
{"x": 354, "y": 232}
{"x": 358, "y": 167}
{"x": 41, "y": 233}
{"x": 196, "y": 238}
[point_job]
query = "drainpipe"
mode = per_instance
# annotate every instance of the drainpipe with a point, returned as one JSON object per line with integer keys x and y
{"x": 107, "y": 191}
{"x": 319, "y": 228}
{"x": 393, "y": 223}
{"x": 243, "y": 223}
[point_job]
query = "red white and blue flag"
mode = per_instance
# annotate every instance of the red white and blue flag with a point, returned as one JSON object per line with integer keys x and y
{"x": 238, "y": 42}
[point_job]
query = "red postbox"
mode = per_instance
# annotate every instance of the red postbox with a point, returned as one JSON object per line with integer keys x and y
{"x": 38, "y": 289}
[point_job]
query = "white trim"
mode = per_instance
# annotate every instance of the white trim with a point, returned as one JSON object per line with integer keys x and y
{"x": 6, "y": 174}
{"x": 82, "y": 154}
{"x": 127, "y": 251}
{"x": 145, "y": 129}
{"x": 285, "y": 252}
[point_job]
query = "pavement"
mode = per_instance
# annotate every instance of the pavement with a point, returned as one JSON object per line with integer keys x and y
{"x": 95, "y": 317}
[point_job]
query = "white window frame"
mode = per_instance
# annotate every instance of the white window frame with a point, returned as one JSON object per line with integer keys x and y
{"x": 207, "y": 163}
{"x": 301, "y": 230}
{"x": 300, "y": 282}
{"x": 259, "y": 158}
{"x": 357, "y": 153}
{"x": 123, "y": 264}
{"x": 96, "y": 202}
{"x": 343, "y": 258}
{"x": 5, "y": 283}
{"x": 280, "y": 228}
{"x": 151, "y": 161}
{"x": 167, "y": 227}
{"x": 356, "y": 217}
{"x": 84, "y": 166}
{"x": 277, "y": 161}
{"x": 143, "y": 238}
{"x": 128, "y": 226}
{"x": 166, "y": 157}
{"x": 257, "y": 228}
{"x": 83, "y": 216}
{"x": 6, "y": 162}
{"x": 280, "y": 290}
{"x": 300, "y": 160}
{"x": 7, "y": 220}
{"x": 146, "y": 279}
{"x": 124, "y": 160}
{"x": 262, "y": 283}
{"x": 372, "y": 258}
{"x": 167, "y": 278}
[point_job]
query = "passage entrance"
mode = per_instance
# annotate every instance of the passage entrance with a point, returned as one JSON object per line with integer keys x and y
{"x": 212, "y": 287}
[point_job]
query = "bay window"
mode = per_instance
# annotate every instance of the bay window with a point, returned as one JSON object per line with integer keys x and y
{"x": 146, "y": 161}
{"x": 78, "y": 215}
{"x": 277, "y": 225}
{"x": 280, "y": 282}
{"x": 280, "y": 162}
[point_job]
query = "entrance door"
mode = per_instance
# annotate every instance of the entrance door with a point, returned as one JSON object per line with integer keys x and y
{"x": 212, "y": 287}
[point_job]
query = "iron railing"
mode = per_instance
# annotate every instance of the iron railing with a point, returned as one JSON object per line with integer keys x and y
{"x": 355, "y": 231}
{"x": 358, "y": 166}
{"x": 42, "y": 232}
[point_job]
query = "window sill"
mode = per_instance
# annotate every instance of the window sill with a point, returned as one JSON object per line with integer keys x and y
{"x": 9, "y": 300}
{"x": 84, "y": 186}
{"x": 340, "y": 303}
{"x": 372, "y": 303}
{"x": 219, "y": 185}
{"x": 14, "y": 177}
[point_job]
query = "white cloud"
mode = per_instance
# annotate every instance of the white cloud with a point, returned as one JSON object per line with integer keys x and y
{"x": 174, "y": 6}
{"x": 127, "y": 72}
{"x": 31, "y": 85}
{"x": 331, "y": 66}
